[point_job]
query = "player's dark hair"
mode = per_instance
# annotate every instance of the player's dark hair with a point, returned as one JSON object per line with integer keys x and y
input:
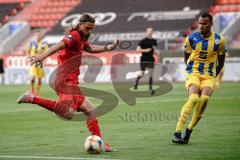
{"x": 83, "y": 19}
{"x": 207, "y": 15}
{"x": 86, "y": 18}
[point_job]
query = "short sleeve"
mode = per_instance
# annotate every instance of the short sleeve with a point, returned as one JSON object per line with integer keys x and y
{"x": 70, "y": 39}
{"x": 140, "y": 43}
{"x": 223, "y": 46}
{"x": 187, "y": 46}
{"x": 155, "y": 43}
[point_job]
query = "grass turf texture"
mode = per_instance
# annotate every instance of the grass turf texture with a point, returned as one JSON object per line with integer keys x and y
{"x": 138, "y": 132}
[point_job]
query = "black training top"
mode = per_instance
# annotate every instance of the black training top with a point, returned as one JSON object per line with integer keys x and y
{"x": 147, "y": 43}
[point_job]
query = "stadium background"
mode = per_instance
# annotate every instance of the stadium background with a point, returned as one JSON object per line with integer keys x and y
{"x": 125, "y": 20}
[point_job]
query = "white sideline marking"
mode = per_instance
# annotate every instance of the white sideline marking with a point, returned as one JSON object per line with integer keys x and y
{"x": 57, "y": 158}
{"x": 154, "y": 100}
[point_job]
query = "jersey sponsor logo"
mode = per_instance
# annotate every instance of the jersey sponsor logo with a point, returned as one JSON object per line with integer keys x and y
{"x": 203, "y": 55}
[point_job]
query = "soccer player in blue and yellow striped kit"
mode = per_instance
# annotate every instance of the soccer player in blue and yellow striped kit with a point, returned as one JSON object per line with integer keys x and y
{"x": 204, "y": 55}
{"x": 36, "y": 47}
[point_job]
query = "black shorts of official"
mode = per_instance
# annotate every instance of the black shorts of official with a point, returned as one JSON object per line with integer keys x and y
{"x": 144, "y": 65}
{"x": 1, "y": 69}
{"x": 1, "y": 66}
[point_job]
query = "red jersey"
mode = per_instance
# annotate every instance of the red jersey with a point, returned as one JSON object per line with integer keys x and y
{"x": 69, "y": 58}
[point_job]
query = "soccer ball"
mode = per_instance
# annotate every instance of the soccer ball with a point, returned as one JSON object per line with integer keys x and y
{"x": 93, "y": 144}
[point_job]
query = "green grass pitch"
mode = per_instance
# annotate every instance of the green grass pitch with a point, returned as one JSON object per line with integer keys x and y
{"x": 141, "y": 132}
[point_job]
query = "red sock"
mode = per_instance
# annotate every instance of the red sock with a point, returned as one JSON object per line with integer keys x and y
{"x": 60, "y": 108}
{"x": 93, "y": 127}
{"x": 45, "y": 103}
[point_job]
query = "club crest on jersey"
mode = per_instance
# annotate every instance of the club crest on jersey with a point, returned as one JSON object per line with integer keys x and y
{"x": 69, "y": 37}
{"x": 217, "y": 41}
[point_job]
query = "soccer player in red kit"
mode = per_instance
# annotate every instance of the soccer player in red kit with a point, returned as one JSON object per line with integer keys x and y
{"x": 70, "y": 50}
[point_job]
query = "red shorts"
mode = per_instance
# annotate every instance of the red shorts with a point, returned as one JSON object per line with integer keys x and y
{"x": 70, "y": 94}
{"x": 75, "y": 100}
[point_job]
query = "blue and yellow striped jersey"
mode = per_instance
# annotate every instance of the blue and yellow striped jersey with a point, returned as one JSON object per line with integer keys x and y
{"x": 37, "y": 47}
{"x": 203, "y": 53}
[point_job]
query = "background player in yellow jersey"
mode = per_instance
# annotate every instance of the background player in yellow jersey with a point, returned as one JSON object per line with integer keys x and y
{"x": 204, "y": 55}
{"x": 36, "y": 47}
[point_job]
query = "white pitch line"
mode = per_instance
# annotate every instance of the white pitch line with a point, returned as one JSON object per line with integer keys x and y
{"x": 154, "y": 100}
{"x": 54, "y": 158}
{"x": 138, "y": 101}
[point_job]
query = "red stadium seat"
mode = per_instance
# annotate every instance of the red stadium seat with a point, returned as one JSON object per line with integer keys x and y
{"x": 229, "y": 1}
{"x": 15, "y": 1}
{"x": 226, "y": 6}
{"x": 46, "y": 10}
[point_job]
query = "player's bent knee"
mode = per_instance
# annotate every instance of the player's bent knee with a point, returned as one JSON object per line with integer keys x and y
{"x": 64, "y": 110}
{"x": 69, "y": 113}
{"x": 205, "y": 99}
{"x": 92, "y": 114}
{"x": 194, "y": 98}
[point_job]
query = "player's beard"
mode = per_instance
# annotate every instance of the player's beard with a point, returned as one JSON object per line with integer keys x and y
{"x": 204, "y": 32}
{"x": 84, "y": 36}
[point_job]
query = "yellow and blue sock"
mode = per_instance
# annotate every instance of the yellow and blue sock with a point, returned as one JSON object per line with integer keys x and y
{"x": 186, "y": 111}
{"x": 198, "y": 111}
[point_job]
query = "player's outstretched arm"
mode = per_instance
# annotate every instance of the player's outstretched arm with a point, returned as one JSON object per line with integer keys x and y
{"x": 99, "y": 49}
{"x": 39, "y": 58}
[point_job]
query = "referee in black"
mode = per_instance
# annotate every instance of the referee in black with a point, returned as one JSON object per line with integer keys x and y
{"x": 147, "y": 47}
{"x": 1, "y": 69}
